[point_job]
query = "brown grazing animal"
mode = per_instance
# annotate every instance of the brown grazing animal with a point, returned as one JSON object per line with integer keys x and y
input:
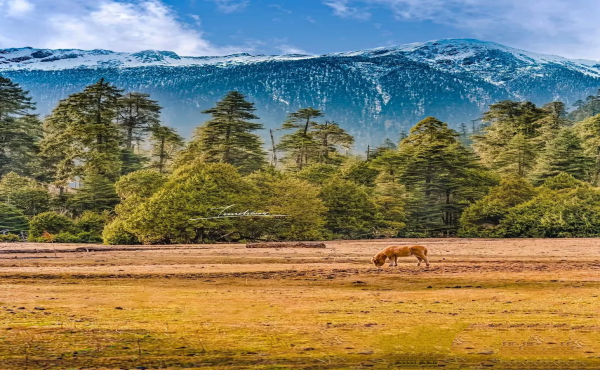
{"x": 394, "y": 252}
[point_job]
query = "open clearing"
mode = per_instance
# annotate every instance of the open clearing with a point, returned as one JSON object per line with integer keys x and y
{"x": 506, "y": 304}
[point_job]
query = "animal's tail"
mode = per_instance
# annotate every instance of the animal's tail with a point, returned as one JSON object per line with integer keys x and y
{"x": 425, "y": 251}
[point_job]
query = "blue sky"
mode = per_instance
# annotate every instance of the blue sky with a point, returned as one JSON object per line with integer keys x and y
{"x": 218, "y": 27}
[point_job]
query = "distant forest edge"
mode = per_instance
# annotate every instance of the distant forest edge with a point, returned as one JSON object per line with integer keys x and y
{"x": 103, "y": 168}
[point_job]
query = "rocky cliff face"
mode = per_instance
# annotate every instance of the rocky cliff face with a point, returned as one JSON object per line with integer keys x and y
{"x": 374, "y": 93}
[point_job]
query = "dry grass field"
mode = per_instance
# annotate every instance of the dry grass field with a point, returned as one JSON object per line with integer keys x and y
{"x": 483, "y": 304}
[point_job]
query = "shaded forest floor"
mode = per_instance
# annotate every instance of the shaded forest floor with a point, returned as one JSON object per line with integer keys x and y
{"x": 506, "y": 304}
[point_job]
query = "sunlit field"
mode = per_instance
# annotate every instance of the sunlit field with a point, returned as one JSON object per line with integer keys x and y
{"x": 506, "y": 304}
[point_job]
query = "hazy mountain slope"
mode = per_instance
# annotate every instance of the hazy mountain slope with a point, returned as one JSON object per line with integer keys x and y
{"x": 375, "y": 93}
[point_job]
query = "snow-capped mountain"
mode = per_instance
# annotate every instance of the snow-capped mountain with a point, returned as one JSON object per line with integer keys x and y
{"x": 375, "y": 93}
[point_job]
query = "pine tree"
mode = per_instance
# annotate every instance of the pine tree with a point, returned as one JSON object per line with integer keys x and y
{"x": 509, "y": 141}
{"x": 138, "y": 115}
{"x": 330, "y": 136}
{"x": 20, "y": 131}
{"x": 586, "y": 109}
{"x": 441, "y": 177}
{"x": 82, "y": 135}
{"x": 228, "y": 137}
{"x": 12, "y": 220}
{"x": 589, "y": 132}
{"x": 166, "y": 143}
{"x": 563, "y": 154}
{"x": 97, "y": 194}
{"x": 300, "y": 146}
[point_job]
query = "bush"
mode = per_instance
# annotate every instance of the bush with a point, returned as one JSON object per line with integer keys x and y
{"x": 115, "y": 234}
{"x": 556, "y": 214}
{"x": 50, "y": 222}
{"x": 9, "y": 238}
{"x": 66, "y": 237}
{"x": 92, "y": 222}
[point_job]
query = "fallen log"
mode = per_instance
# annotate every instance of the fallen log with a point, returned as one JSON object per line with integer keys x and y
{"x": 286, "y": 245}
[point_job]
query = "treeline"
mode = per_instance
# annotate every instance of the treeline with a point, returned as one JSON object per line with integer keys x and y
{"x": 102, "y": 168}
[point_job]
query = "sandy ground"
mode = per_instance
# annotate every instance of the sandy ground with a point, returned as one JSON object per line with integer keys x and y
{"x": 581, "y": 257}
{"x": 483, "y": 303}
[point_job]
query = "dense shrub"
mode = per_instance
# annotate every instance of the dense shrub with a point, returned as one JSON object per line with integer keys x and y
{"x": 556, "y": 213}
{"x": 482, "y": 218}
{"x": 9, "y": 238}
{"x": 92, "y": 222}
{"x": 50, "y": 222}
{"x": 350, "y": 211}
{"x": 115, "y": 234}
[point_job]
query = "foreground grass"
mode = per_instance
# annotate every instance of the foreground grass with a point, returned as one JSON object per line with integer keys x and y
{"x": 328, "y": 321}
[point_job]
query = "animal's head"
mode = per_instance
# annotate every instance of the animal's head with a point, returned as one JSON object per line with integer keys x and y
{"x": 379, "y": 259}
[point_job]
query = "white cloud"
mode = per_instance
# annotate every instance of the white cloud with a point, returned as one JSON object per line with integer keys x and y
{"x": 565, "y": 27}
{"x": 16, "y": 8}
{"x": 342, "y": 9}
{"x": 120, "y": 25}
{"x": 231, "y": 6}
{"x": 290, "y": 49}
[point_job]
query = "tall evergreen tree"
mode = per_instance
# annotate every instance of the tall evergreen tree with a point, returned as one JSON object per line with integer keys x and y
{"x": 563, "y": 154}
{"x": 330, "y": 137}
{"x": 589, "y": 132}
{"x": 228, "y": 136}
{"x": 82, "y": 136}
{"x": 166, "y": 142}
{"x": 586, "y": 109}
{"x": 138, "y": 116}
{"x": 20, "y": 131}
{"x": 441, "y": 177}
{"x": 300, "y": 146}
{"x": 508, "y": 142}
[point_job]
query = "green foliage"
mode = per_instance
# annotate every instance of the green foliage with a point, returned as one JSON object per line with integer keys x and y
{"x": 20, "y": 131}
{"x": 9, "y": 238}
{"x": 563, "y": 154}
{"x": 50, "y": 222}
{"x": 588, "y": 131}
{"x": 199, "y": 190}
{"x": 586, "y": 109}
{"x": 441, "y": 176}
{"x": 312, "y": 142}
{"x": 92, "y": 222}
{"x": 166, "y": 143}
{"x": 317, "y": 173}
{"x": 390, "y": 199}
{"x": 359, "y": 171}
{"x": 351, "y": 213}
{"x": 115, "y": 234}
{"x": 294, "y": 198}
{"x": 24, "y": 193}
{"x": 228, "y": 136}
{"x": 137, "y": 116}
{"x": 97, "y": 194}
{"x": 556, "y": 213}
{"x": 82, "y": 136}
{"x": 483, "y": 217}
{"x": 12, "y": 219}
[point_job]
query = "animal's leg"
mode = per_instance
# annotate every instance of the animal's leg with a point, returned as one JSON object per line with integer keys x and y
{"x": 423, "y": 257}
{"x": 419, "y": 259}
{"x": 391, "y": 262}
{"x": 395, "y": 260}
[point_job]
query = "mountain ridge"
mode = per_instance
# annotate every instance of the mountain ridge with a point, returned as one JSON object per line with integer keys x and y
{"x": 375, "y": 93}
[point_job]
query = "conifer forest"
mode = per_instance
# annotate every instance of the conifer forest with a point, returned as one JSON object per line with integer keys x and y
{"x": 102, "y": 168}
